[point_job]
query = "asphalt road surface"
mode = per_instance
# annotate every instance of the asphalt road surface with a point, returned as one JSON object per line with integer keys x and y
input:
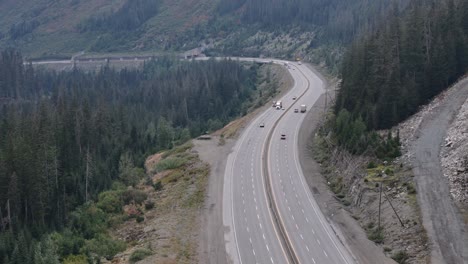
{"x": 253, "y": 236}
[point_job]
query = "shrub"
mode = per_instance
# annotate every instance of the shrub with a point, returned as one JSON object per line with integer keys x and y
{"x": 75, "y": 259}
{"x": 371, "y": 165}
{"x": 67, "y": 242}
{"x": 139, "y": 254}
{"x": 105, "y": 246}
{"x": 157, "y": 186}
{"x": 400, "y": 257}
{"x": 388, "y": 171}
{"x": 88, "y": 220}
{"x": 149, "y": 205}
{"x": 110, "y": 201}
{"x": 134, "y": 195}
{"x": 411, "y": 189}
{"x": 140, "y": 219}
{"x": 376, "y": 235}
{"x": 170, "y": 163}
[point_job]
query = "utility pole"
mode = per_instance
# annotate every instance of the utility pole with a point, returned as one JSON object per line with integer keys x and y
{"x": 380, "y": 201}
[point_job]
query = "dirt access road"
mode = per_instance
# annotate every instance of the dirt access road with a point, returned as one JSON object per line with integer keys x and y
{"x": 441, "y": 218}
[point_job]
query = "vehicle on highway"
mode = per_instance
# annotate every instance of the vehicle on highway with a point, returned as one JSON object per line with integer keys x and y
{"x": 299, "y": 63}
{"x": 294, "y": 98}
{"x": 303, "y": 108}
{"x": 283, "y": 136}
{"x": 296, "y": 110}
{"x": 279, "y": 105}
{"x": 282, "y": 108}
{"x": 262, "y": 124}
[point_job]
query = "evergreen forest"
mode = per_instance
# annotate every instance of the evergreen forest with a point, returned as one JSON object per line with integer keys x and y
{"x": 338, "y": 21}
{"x": 66, "y": 136}
{"x": 386, "y": 75}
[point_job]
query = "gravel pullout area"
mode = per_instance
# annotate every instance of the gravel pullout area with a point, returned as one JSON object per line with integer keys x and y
{"x": 211, "y": 240}
{"x": 441, "y": 218}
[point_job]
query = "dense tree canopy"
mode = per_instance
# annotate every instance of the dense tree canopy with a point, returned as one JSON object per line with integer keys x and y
{"x": 339, "y": 20}
{"x": 411, "y": 58}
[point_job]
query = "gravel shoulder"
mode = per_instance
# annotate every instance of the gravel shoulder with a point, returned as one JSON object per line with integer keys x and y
{"x": 441, "y": 217}
{"x": 211, "y": 240}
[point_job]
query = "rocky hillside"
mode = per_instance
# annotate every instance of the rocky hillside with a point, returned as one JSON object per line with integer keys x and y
{"x": 52, "y": 28}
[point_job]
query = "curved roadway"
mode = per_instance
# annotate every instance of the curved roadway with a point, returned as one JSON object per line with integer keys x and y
{"x": 252, "y": 235}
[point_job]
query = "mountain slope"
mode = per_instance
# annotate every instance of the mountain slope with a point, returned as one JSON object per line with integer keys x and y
{"x": 243, "y": 27}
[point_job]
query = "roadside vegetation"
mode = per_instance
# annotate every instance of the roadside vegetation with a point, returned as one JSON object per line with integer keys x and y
{"x": 375, "y": 188}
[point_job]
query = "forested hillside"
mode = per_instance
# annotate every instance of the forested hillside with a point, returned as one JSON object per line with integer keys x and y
{"x": 415, "y": 54}
{"x": 336, "y": 20}
{"x": 66, "y": 136}
{"x": 242, "y": 27}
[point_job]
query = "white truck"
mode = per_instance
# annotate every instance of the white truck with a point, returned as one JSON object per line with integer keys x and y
{"x": 279, "y": 105}
{"x": 303, "y": 108}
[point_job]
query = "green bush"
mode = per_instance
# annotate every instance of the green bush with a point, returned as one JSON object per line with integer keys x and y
{"x": 139, "y": 254}
{"x": 88, "y": 220}
{"x": 371, "y": 165}
{"x": 376, "y": 235}
{"x": 411, "y": 189}
{"x": 67, "y": 242}
{"x": 110, "y": 201}
{"x": 105, "y": 246}
{"x": 157, "y": 186}
{"x": 170, "y": 163}
{"x": 401, "y": 257}
{"x": 134, "y": 195}
{"x": 149, "y": 205}
{"x": 75, "y": 259}
{"x": 140, "y": 219}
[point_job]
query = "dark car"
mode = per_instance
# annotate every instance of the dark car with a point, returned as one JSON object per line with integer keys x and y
{"x": 296, "y": 110}
{"x": 283, "y": 136}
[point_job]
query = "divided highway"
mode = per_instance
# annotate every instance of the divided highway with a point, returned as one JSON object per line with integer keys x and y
{"x": 252, "y": 234}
